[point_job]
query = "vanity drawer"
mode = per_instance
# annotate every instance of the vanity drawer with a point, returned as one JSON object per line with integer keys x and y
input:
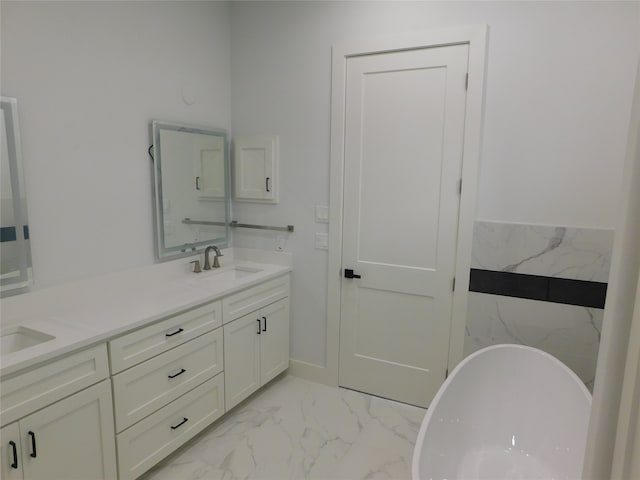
{"x": 135, "y": 347}
{"x": 42, "y": 386}
{"x": 145, "y": 388}
{"x": 150, "y": 440}
{"x": 244, "y": 302}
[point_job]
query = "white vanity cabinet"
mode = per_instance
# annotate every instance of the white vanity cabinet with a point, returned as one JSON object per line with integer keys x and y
{"x": 173, "y": 386}
{"x": 71, "y": 437}
{"x": 115, "y": 409}
{"x": 256, "y": 343}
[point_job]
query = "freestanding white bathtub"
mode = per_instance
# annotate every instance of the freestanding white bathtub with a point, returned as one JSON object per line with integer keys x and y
{"x": 505, "y": 412}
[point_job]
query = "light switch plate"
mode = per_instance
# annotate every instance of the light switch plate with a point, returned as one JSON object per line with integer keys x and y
{"x": 322, "y": 241}
{"x": 322, "y": 214}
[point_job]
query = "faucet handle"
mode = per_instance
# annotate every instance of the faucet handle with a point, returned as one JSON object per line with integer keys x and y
{"x": 196, "y": 266}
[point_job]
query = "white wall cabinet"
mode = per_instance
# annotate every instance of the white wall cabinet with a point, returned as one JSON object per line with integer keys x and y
{"x": 71, "y": 439}
{"x": 256, "y": 350}
{"x": 255, "y": 161}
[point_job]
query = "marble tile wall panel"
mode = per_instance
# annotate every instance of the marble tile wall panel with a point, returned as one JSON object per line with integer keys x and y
{"x": 554, "y": 251}
{"x": 570, "y": 333}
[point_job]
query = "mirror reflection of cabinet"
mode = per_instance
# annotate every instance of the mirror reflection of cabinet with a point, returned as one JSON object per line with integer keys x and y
{"x": 209, "y": 156}
{"x": 256, "y": 168}
{"x": 192, "y": 201}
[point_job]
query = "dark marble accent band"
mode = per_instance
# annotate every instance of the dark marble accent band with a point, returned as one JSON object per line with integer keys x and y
{"x": 535, "y": 287}
{"x": 9, "y": 234}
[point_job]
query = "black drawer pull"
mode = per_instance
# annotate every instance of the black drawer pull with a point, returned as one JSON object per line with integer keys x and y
{"x": 258, "y": 320}
{"x": 264, "y": 329}
{"x": 184, "y": 420}
{"x": 182, "y": 370}
{"x": 33, "y": 444}
{"x": 15, "y": 454}
{"x": 174, "y": 333}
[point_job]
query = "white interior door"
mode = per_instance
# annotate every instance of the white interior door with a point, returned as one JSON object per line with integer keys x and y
{"x": 404, "y": 126}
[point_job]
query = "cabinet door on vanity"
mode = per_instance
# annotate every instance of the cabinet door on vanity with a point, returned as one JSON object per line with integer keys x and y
{"x": 241, "y": 359}
{"x": 274, "y": 340}
{"x": 71, "y": 439}
{"x": 10, "y": 455}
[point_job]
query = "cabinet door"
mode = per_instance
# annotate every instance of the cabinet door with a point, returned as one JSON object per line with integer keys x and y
{"x": 209, "y": 152}
{"x": 10, "y": 456}
{"x": 71, "y": 439}
{"x": 274, "y": 340}
{"x": 241, "y": 359}
{"x": 256, "y": 168}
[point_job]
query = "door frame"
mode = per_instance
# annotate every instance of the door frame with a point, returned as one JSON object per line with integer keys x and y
{"x": 476, "y": 37}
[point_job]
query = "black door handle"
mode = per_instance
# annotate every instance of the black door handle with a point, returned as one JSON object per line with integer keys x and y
{"x": 264, "y": 329}
{"x": 259, "y": 325}
{"x": 15, "y": 454}
{"x": 33, "y": 444}
{"x": 348, "y": 273}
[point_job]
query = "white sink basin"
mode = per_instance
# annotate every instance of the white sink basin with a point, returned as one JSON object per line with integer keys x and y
{"x": 237, "y": 273}
{"x": 18, "y": 338}
{"x": 224, "y": 275}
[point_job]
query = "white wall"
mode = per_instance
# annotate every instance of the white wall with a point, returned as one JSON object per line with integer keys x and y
{"x": 559, "y": 88}
{"x": 89, "y": 77}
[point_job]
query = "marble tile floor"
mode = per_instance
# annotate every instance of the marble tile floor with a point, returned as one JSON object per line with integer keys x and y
{"x": 296, "y": 429}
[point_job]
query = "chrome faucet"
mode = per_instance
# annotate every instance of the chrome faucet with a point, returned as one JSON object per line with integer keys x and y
{"x": 216, "y": 263}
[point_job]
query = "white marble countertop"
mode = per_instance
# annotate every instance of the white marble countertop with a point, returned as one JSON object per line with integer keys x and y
{"x": 83, "y": 313}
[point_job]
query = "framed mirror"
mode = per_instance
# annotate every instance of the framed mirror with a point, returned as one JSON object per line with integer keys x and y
{"x": 15, "y": 248}
{"x": 192, "y": 198}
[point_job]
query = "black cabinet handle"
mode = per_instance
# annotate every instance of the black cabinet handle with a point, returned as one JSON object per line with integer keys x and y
{"x": 258, "y": 320}
{"x": 197, "y": 183}
{"x": 174, "y": 333}
{"x": 184, "y": 420}
{"x": 267, "y": 184}
{"x": 264, "y": 329}
{"x": 15, "y": 454}
{"x": 348, "y": 273}
{"x": 33, "y": 444}
{"x": 182, "y": 370}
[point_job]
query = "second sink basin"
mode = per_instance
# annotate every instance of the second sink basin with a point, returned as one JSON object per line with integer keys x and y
{"x": 13, "y": 339}
{"x": 240, "y": 272}
{"x": 224, "y": 275}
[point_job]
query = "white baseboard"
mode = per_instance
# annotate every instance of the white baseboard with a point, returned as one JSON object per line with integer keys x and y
{"x": 309, "y": 371}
